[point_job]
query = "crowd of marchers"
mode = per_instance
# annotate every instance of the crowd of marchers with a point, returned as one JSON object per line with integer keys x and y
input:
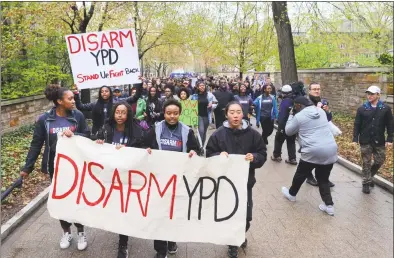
{"x": 147, "y": 116}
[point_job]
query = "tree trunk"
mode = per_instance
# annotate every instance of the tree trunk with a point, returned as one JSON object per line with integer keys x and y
{"x": 288, "y": 66}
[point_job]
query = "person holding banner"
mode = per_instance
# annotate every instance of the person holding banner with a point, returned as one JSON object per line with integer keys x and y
{"x": 206, "y": 102}
{"x": 122, "y": 130}
{"x": 171, "y": 135}
{"x": 183, "y": 94}
{"x": 67, "y": 121}
{"x": 237, "y": 137}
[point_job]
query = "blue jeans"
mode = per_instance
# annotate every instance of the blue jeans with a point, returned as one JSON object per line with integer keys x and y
{"x": 203, "y": 124}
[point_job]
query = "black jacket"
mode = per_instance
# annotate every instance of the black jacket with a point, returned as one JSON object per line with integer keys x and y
{"x": 98, "y": 121}
{"x": 370, "y": 124}
{"x": 246, "y": 140}
{"x": 137, "y": 139}
{"x": 223, "y": 97}
{"x": 41, "y": 134}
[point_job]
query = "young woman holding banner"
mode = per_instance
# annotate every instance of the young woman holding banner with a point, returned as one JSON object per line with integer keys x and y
{"x": 183, "y": 94}
{"x": 62, "y": 118}
{"x": 162, "y": 136}
{"x": 121, "y": 130}
{"x": 237, "y": 137}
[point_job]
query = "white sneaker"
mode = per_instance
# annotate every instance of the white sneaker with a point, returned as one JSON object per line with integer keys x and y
{"x": 82, "y": 241}
{"x": 66, "y": 240}
{"x": 286, "y": 193}
{"x": 329, "y": 209}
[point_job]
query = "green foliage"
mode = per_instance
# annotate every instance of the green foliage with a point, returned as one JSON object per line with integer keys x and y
{"x": 14, "y": 146}
{"x": 33, "y": 50}
{"x": 386, "y": 59}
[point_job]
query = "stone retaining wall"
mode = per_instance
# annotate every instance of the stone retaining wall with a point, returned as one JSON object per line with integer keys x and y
{"x": 23, "y": 111}
{"x": 345, "y": 88}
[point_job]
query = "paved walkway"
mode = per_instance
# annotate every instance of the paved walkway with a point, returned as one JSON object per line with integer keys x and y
{"x": 362, "y": 225}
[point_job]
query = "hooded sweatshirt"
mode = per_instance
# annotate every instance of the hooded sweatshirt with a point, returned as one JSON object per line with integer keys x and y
{"x": 317, "y": 143}
{"x": 239, "y": 141}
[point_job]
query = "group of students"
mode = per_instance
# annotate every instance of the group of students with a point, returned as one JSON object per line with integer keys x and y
{"x": 118, "y": 122}
{"x": 115, "y": 123}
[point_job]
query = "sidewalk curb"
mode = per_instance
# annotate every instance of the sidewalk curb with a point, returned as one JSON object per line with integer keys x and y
{"x": 23, "y": 214}
{"x": 385, "y": 184}
{"x": 380, "y": 181}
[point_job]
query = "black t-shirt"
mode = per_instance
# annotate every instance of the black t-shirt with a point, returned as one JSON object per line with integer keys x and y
{"x": 203, "y": 105}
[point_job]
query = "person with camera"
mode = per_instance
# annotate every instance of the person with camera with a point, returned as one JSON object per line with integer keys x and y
{"x": 319, "y": 150}
{"x": 284, "y": 111}
{"x": 315, "y": 98}
{"x": 373, "y": 118}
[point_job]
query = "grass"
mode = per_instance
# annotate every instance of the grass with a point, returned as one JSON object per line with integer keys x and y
{"x": 352, "y": 153}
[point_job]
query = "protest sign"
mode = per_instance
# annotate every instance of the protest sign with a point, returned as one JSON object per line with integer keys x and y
{"x": 104, "y": 58}
{"x": 165, "y": 195}
{"x": 189, "y": 115}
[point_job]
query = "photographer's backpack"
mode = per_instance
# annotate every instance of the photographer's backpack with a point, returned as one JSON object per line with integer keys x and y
{"x": 298, "y": 89}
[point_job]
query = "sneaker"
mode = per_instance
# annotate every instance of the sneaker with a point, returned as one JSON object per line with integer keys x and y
{"x": 82, "y": 241}
{"x": 123, "y": 252}
{"x": 286, "y": 193}
{"x": 312, "y": 181}
{"x": 232, "y": 251}
{"x": 331, "y": 184}
{"x": 277, "y": 159}
{"x": 172, "y": 248}
{"x": 329, "y": 209}
{"x": 366, "y": 189}
{"x": 372, "y": 184}
{"x": 291, "y": 161}
{"x": 160, "y": 255}
{"x": 66, "y": 240}
{"x": 245, "y": 244}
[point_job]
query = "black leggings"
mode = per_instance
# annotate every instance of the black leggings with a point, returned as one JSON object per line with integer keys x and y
{"x": 267, "y": 125}
{"x": 66, "y": 226}
{"x": 161, "y": 246}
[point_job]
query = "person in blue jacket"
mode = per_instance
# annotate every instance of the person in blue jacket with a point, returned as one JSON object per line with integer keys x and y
{"x": 67, "y": 121}
{"x": 266, "y": 112}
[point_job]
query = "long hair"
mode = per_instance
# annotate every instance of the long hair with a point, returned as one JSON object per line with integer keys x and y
{"x": 128, "y": 132}
{"x": 98, "y": 110}
{"x": 198, "y": 90}
{"x": 155, "y": 97}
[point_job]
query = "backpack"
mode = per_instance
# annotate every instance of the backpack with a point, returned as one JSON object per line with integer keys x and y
{"x": 298, "y": 89}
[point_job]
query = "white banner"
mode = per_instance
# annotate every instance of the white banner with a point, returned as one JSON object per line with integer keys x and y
{"x": 104, "y": 58}
{"x": 164, "y": 196}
